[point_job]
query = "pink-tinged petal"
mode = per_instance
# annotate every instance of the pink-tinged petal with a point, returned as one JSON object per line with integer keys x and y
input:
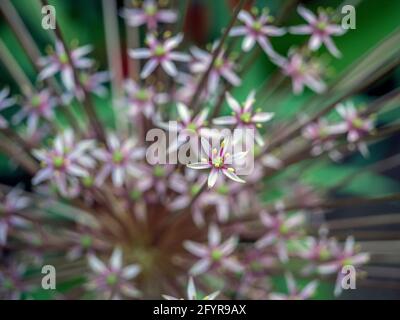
{"x": 173, "y": 42}
{"x": 267, "y": 47}
{"x": 183, "y": 112}
{"x": 332, "y": 47}
{"x": 77, "y": 171}
{"x": 246, "y": 17}
{"x": 335, "y": 29}
{"x": 233, "y": 104}
{"x": 229, "y": 246}
{"x": 248, "y": 43}
{"x": 148, "y": 68}
{"x": 96, "y": 265}
{"x": 231, "y": 77}
{"x": 262, "y": 117}
{"x": 81, "y": 51}
{"x": 169, "y": 67}
{"x": 266, "y": 219}
{"x": 113, "y": 141}
{"x": 179, "y": 203}
{"x": 238, "y": 156}
{"x": 199, "y": 165}
{"x": 134, "y": 17}
{"x": 238, "y": 31}
{"x": 131, "y": 271}
{"x": 49, "y": 71}
{"x": 265, "y": 241}
{"x": 291, "y": 284}
{"x": 141, "y": 53}
{"x": 206, "y": 146}
{"x": 225, "y": 120}
{"x": 178, "y": 56}
{"x": 200, "y": 267}
{"x": 201, "y": 118}
{"x": 295, "y": 221}
{"x": 191, "y": 290}
{"x": 315, "y": 42}
{"x": 118, "y": 176}
{"x": 273, "y": 31}
{"x": 167, "y": 297}
{"x": 277, "y": 296}
{"x": 328, "y": 268}
{"x": 212, "y": 177}
{"x": 67, "y": 77}
{"x": 195, "y": 248}
{"x": 298, "y": 86}
{"x": 282, "y": 251}
{"x": 214, "y": 236}
{"x": 307, "y": 14}
{"x": 116, "y": 259}
{"x": 42, "y": 175}
{"x": 359, "y": 259}
{"x": 4, "y": 93}
{"x": 167, "y": 16}
{"x": 349, "y": 246}
{"x": 303, "y": 29}
{"x": 315, "y": 84}
{"x": 232, "y": 265}
{"x": 102, "y": 175}
{"x": 309, "y": 290}
{"x": 353, "y": 136}
{"x": 232, "y": 176}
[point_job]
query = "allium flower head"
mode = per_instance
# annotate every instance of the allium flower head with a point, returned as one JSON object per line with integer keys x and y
{"x": 256, "y": 30}
{"x": 160, "y": 53}
{"x": 243, "y": 116}
{"x": 215, "y": 255}
{"x": 321, "y": 30}
{"x": 59, "y": 62}
{"x": 192, "y": 293}
{"x": 65, "y": 162}
{"x": 5, "y": 102}
{"x": 149, "y": 14}
{"x": 113, "y": 280}
{"x": 218, "y": 161}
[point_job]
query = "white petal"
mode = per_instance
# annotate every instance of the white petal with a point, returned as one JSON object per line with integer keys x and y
{"x": 116, "y": 259}
{"x": 96, "y": 265}
{"x": 148, "y": 68}
{"x": 212, "y": 177}
{"x": 232, "y": 176}
{"x": 214, "y": 235}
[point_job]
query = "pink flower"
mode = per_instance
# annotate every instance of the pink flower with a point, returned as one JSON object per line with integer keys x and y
{"x": 215, "y": 255}
{"x": 118, "y": 160}
{"x": 11, "y": 204}
{"x": 160, "y": 53}
{"x": 149, "y": 14}
{"x": 256, "y": 30}
{"x": 294, "y": 293}
{"x": 243, "y": 116}
{"x": 113, "y": 280}
{"x": 38, "y": 105}
{"x": 320, "y": 28}
{"x": 5, "y": 103}
{"x": 223, "y": 67}
{"x": 320, "y": 135}
{"x": 192, "y": 293}
{"x": 94, "y": 83}
{"x": 65, "y": 163}
{"x": 59, "y": 62}
{"x": 281, "y": 228}
{"x": 302, "y": 72}
{"x": 142, "y": 99}
{"x": 218, "y": 161}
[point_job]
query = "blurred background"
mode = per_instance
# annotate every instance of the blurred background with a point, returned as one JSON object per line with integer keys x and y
{"x": 82, "y": 21}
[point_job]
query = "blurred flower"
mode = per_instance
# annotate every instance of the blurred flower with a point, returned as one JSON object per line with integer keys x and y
{"x": 256, "y": 30}
{"x": 150, "y": 14}
{"x": 5, "y": 103}
{"x": 160, "y": 53}
{"x": 215, "y": 255}
{"x": 93, "y": 83}
{"x": 113, "y": 280}
{"x": 320, "y": 28}
{"x": 192, "y": 293}
{"x": 59, "y": 62}
{"x": 294, "y": 293}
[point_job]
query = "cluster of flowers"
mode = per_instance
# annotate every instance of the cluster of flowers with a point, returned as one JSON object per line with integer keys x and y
{"x": 152, "y": 220}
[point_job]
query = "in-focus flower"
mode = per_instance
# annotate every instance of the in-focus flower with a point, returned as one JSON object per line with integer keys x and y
{"x": 38, "y": 105}
{"x": 65, "y": 162}
{"x": 192, "y": 293}
{"x": 302, "y": 72}
{"x": 223, "y": 68}
{"x": 150, "y": 14}
{"x": 281, "y": 228}
{"x": 256, "y": 30}
{"x": 59, "y": 62}
{"x": 321, "y": 30}
{"x": 118, "y": 160}
{"x": 219, "y": 161}
{"x": 113, "y": 280}
{"x": 160, "y": 53}
{"x": 5, "y": 103}
{"x": 215, "y": 254}
{"x": 294, "y": 293}
{"x": 142, "y": 99}
{"x": 11, "y": 204}
{"x": 243, "y": 115}
{"x": 349, "y": 256}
